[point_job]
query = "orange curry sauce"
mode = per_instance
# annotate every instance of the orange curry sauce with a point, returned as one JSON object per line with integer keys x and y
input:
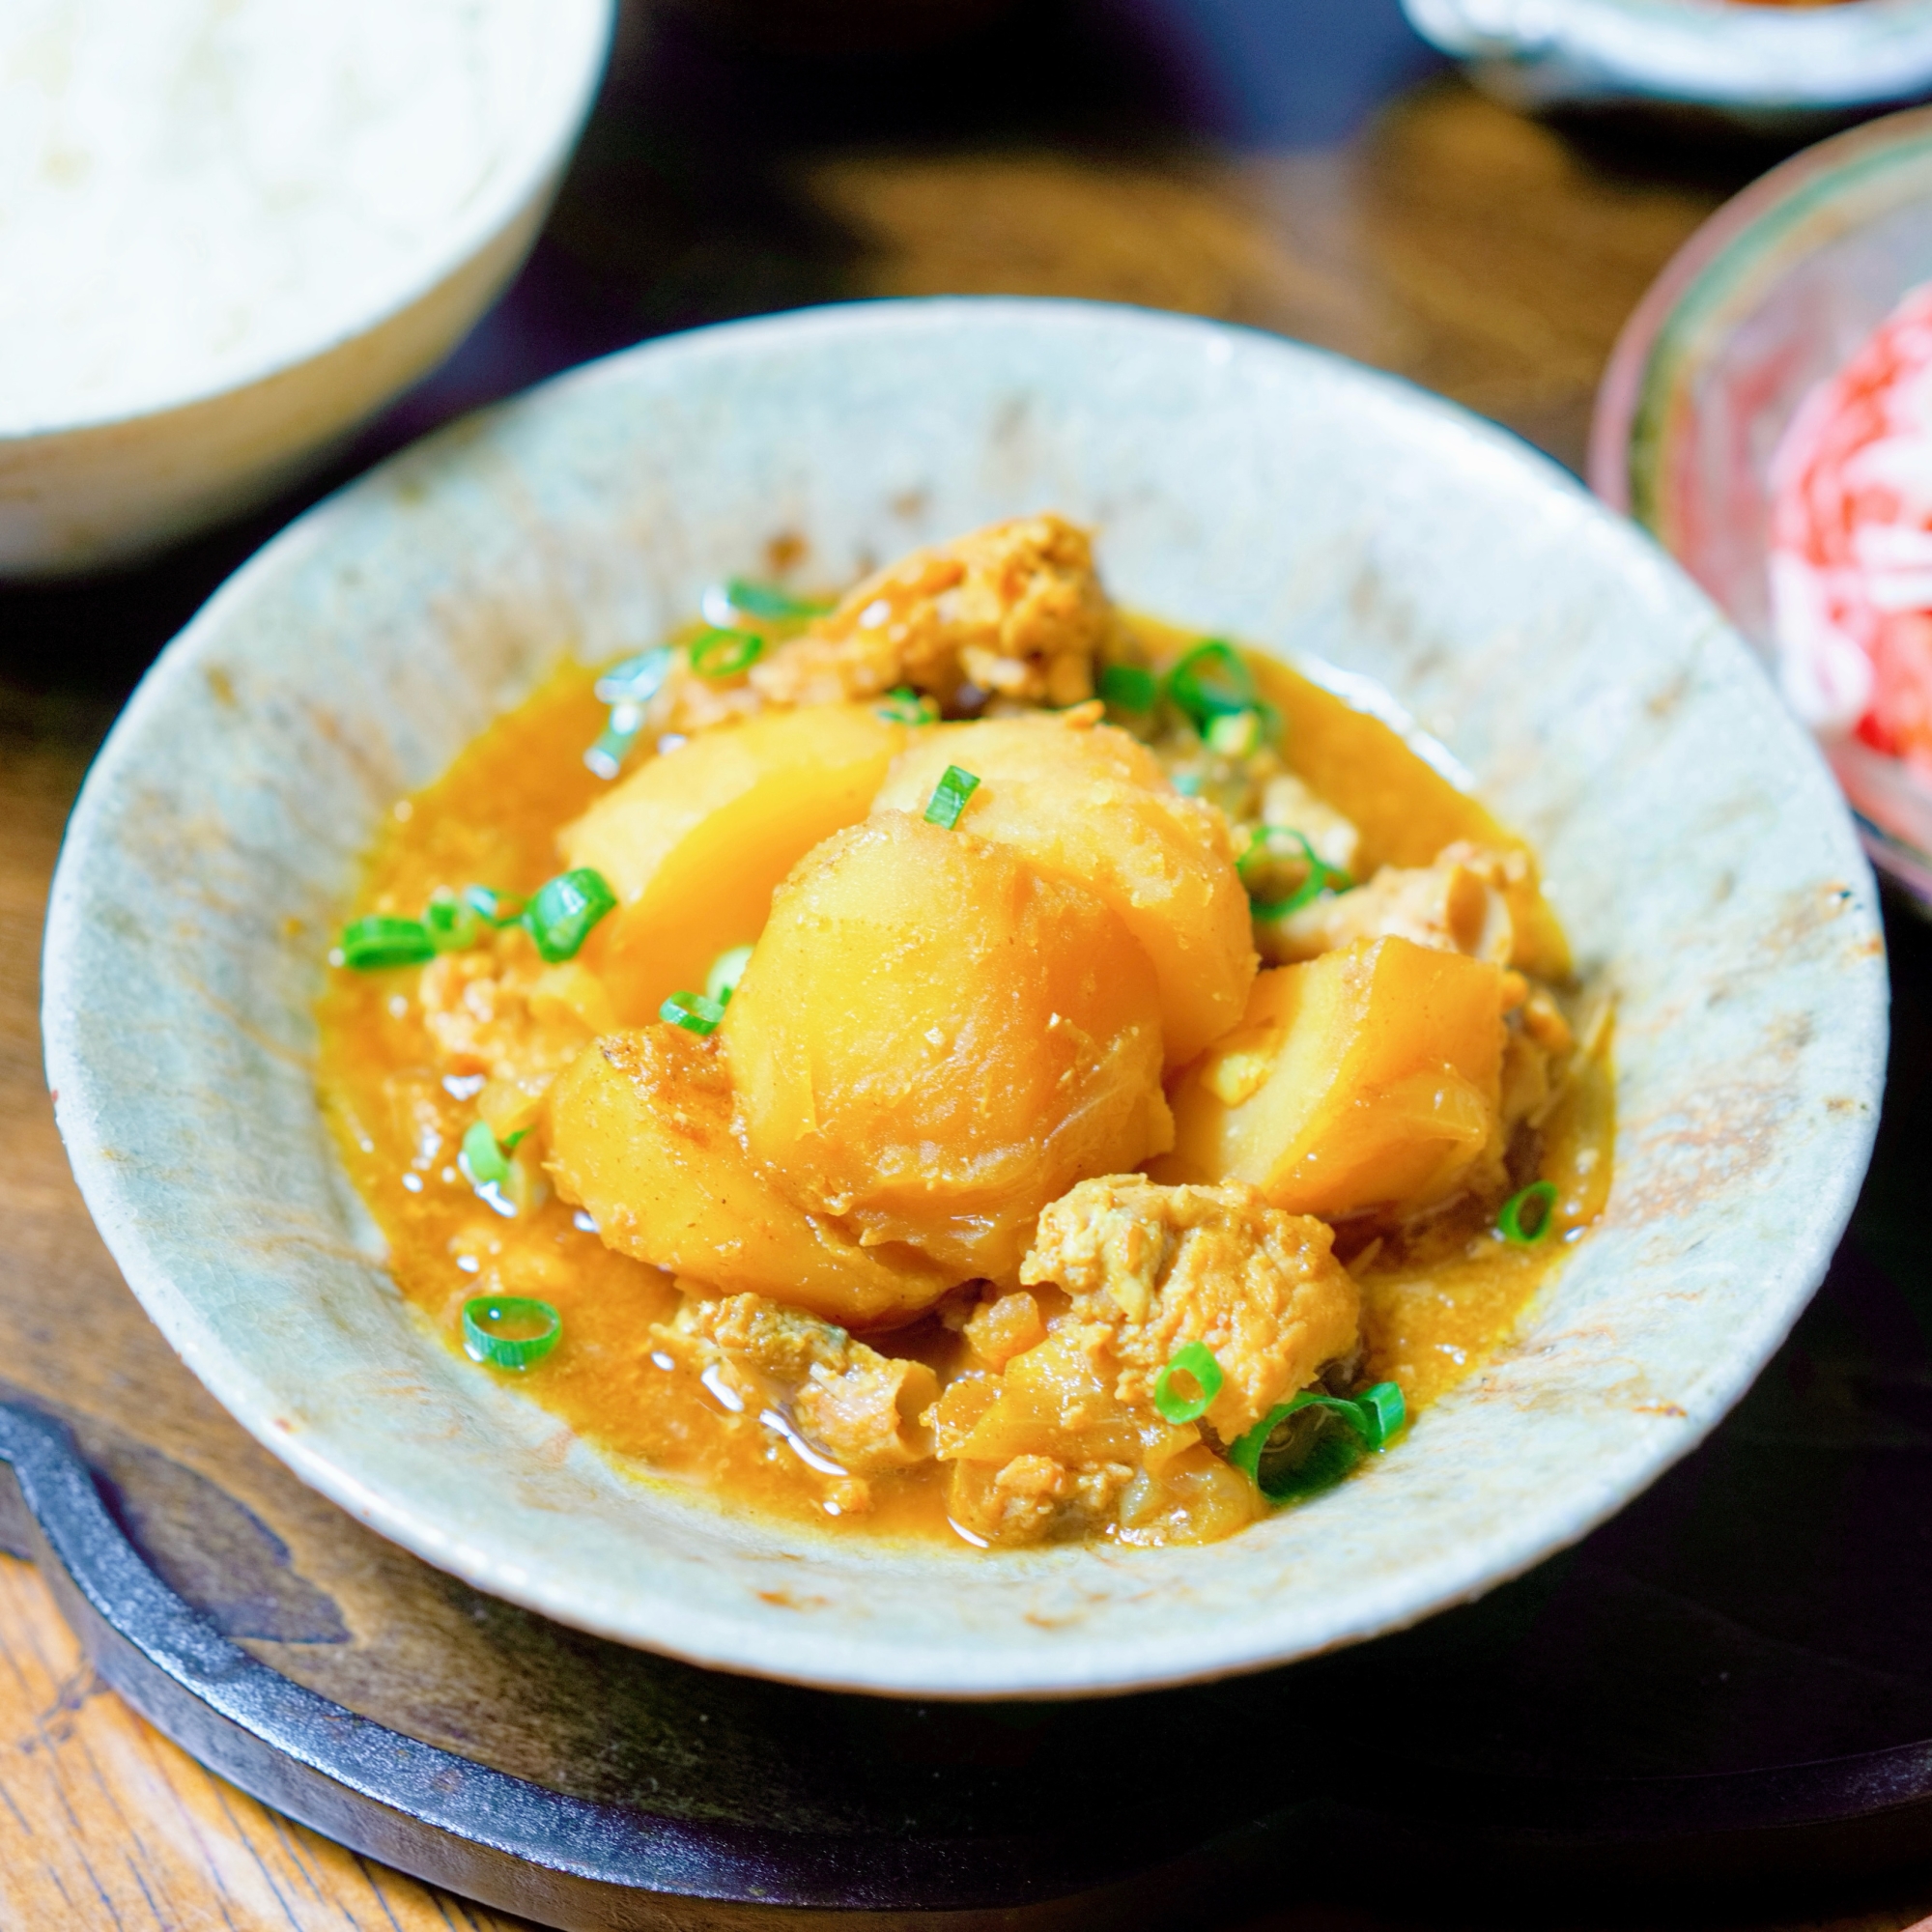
{"x": 1437, "y": 1301}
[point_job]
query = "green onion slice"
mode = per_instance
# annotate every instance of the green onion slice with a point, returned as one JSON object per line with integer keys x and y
{"x": 695, "y": 1012}
{"x": 562, "y": 911}
{"x": 638, "y": 679}
{"x": 1385, "y": 1411}
{"x": 1236, "y": 734}
{"x": 948, "y": 798}
{"x": 453, "y": 924}
{"x": 1212, "y": 682}
{"x": 1195, "y": 1360}
{"x": 627, "y": 688}
{"x": 509, "y": 1331}
{"x": 907, "y": 707}
{"x": 484, "y": 1159}
{"x": 1528, "y": 1215}
{"x": 1312, "y": 1440}
{"x": 726, "y": 969}
{"x": 381, "y": 940}
{"x": 1280, "y": 842}
{"x": 769, "y": 600}
{"x": 611, "y": 746}
{"x": 498, "y": 908}
{"x": 720, "y": 654}
{"x": 1129, "y": 687}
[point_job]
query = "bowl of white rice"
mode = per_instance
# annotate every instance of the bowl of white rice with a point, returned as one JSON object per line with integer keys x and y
{"x": 231, "y": 230}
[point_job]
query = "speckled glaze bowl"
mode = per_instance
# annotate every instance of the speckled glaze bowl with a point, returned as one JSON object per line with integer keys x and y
{"x": 1694, "y": 843}
{"x": 1769, "y": 298}
{"x": 1764, "y": 65}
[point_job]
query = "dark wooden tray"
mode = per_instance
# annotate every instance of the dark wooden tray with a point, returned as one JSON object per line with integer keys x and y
{"x": 1727, "y": 1683}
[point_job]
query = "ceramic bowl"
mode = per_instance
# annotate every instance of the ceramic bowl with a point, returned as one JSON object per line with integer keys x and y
{"x": 1761, "y": 63}
{"x": 1695, "y": 842}
{"x": 231, "y": 234}
{"x": 1763, "y": 303}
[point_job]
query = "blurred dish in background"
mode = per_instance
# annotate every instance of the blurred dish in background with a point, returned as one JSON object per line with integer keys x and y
{"x": 233, "y": 231}
{"x": 1755, "y": 374}
{"x": 1757, "y": 61}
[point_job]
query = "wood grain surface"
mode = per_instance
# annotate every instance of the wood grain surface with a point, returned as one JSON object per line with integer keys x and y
{"x": 1474, "y": 251}
{"x": 1484, "y": 255}
{"x": 105, "y": 1823}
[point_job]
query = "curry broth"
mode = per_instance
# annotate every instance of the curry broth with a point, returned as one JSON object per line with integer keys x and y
{"x": 1436, "y": 1304}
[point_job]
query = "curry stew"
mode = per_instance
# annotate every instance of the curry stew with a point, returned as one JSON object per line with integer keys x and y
{"x": 987, "y": 1067}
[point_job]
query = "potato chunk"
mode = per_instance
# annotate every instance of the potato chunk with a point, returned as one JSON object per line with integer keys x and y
{"x": 933, "y": 1041}
{"x": 1366, "y": 1080}
{"x": 640, "y": 1132}
{"x": 1082, "y": 801}
{"x": 693, "y": 842}
{"x": 1151, "y": 1268}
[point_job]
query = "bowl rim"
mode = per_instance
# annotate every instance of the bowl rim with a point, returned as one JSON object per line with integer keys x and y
{"x": 532, "y": 164}
{"x": 1442, "y": 1580}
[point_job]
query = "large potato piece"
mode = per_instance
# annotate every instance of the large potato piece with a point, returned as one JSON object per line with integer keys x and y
{"x": 693, "y": 842}
{"x": 1085, "y": 801}
{"x": 933, "y": 1041}
{"x": 1367, "y": 1080}
{"x": 639, "y": 1128}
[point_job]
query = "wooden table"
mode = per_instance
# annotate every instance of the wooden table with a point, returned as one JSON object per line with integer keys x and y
{"x": 1057, "y": 153}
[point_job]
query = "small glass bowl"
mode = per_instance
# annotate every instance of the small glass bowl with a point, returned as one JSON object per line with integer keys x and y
{"x": 1764, "y": 301}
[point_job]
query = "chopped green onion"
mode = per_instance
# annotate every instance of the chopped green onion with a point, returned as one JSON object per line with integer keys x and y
{"x": 638, "y": 679}
{"x": 695, "y": 1012}
{"x": 1196, "y": 1361}
{"x": 1211, "y": 682}
{"x": 1129, "y": 687}
{"x": 627, "y": 688}
{"x": 453, "y": 924}
{"x": 484, "y": 1159}
{"x": 726, "y": 969}
{"x": 1322, "y": 877}
{"x": 1236, "y": 734}
{"x": 907, "y": 706}
{"x": 509, "y": 1331}
{"x": 1312, "y": 1440}
{"x": 769, "y": 600}
{"x": 381, "y": 940}
{"x": 1300, "y": 1452}
{"x": 948, "y": 798}
{"x": 612, "y": 744}
{"x": 1385, "y": 1412}
{"x": 485, "y": 1162}
{"x": 720, "y": 654}
{"x": 562, "y": 911}
{"x": 498, "y": 908}
{"x": 1528, "y": 1216}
